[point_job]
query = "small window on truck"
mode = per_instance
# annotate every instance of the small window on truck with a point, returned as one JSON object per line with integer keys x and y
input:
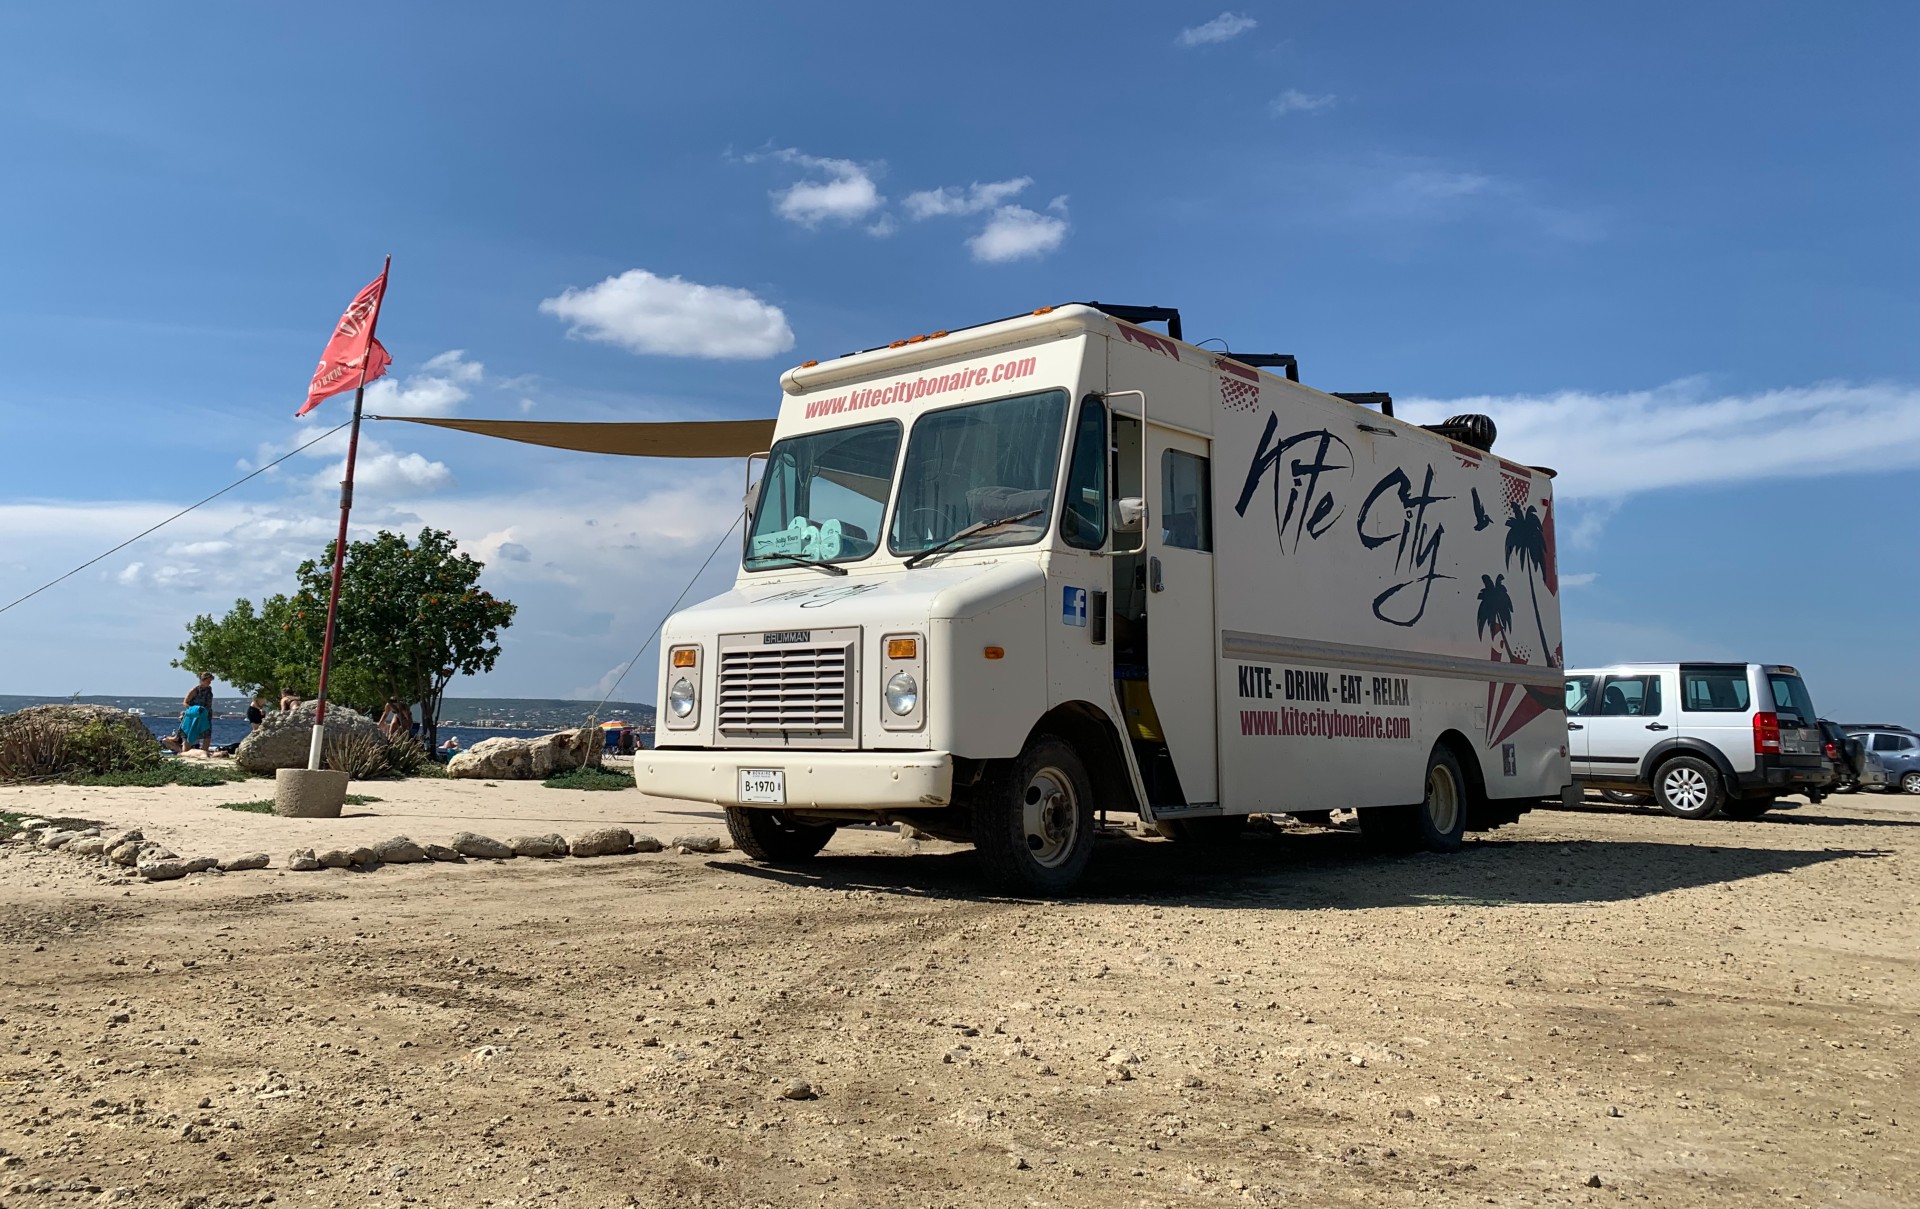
{"x": 1186, "y": 500}
{"x": 1083, "y": 515}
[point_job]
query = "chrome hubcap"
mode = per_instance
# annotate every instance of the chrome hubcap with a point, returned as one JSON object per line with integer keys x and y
{"x": 1911, "y": 782}
{"x": 1050, "y": 815}
{"x": 1685, "y": 788}
{"x": 1443, "y": 799}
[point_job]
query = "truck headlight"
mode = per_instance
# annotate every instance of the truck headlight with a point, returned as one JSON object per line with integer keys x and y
{"x": 903, "y": 693}
{"x": 680, "y": 697}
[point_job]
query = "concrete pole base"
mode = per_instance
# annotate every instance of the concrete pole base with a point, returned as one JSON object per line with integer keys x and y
{"x": 309, "y": 793}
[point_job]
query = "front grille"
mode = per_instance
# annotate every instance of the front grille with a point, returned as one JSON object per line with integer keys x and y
{"x": 801, "y": 690}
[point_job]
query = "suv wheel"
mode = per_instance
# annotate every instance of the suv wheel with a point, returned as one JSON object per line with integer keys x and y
{"x": 1688, "y": 788}
{"x": 1625, "y": 797}
{"x": 1910, "y": 783}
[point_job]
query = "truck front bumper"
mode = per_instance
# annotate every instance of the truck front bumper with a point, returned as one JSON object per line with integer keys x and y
{"x": 826, "y": 780}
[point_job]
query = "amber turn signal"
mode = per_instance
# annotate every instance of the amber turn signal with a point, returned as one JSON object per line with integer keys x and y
{"x": 685, "y": 657}
{"x": 903, "y": 648}
{"x": 994, "y": 652}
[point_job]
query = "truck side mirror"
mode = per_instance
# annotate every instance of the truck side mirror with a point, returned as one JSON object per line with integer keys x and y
{"x": 1130, "y": 514}
{"x": 753, "y": 495}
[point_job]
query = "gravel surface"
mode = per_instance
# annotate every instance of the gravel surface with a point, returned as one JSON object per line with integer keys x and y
{"x": 1594, "y": 1007}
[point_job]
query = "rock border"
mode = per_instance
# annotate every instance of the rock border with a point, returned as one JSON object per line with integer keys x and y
{"x": 129, "y": 851}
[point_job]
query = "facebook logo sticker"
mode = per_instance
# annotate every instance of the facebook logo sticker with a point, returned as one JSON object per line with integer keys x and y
{"x": 1073, "y": 606}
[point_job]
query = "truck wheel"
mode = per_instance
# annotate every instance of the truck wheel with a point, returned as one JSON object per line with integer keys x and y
{"x": 1436, "y": 823}
{"x": 768, "y": 835}
{"x": 1747, "y": 808}
{"x": 1214, "y": 831}
{"x": 1688, "y": 788}
{"x": 1033, "y": 822}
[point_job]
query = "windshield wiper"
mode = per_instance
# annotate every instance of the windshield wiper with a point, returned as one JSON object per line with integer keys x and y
{"x": 829, "y": 568}
{"x": 970, "y": 531}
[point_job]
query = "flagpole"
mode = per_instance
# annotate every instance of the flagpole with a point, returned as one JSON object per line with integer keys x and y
{"x": 340, "y": 542}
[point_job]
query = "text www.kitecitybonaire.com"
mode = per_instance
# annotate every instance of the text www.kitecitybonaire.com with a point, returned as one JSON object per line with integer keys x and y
{"x": 907, "y": 389}
{"x": 1324, "y": 724}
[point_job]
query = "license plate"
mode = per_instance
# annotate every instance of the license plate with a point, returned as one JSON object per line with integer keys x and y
{"x": 763, "y": 785}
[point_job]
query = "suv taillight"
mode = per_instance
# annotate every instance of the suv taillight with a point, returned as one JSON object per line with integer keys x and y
{"x": 1766, "y": 734}
{"x": 1833, "y": 750}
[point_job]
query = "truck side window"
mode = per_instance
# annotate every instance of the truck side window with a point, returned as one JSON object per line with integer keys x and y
{"x": 1083, "y": 516}
{"x": 1186, "y": 500}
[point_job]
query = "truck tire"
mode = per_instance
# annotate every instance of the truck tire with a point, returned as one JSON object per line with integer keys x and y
{"x": 1436, "y": 823}
{"x": 1746, "y": 808}
{"x": 772, "y": 837}
{"x": 1033, "y": 819}
{"x": 1688, "y": 787}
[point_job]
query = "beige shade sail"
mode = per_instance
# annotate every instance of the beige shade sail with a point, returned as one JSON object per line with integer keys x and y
{"x": 689, "y": 439}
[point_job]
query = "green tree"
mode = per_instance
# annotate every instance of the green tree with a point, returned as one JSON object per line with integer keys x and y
{"x": 412, "y": 617}
{"x": 256, "y": 650}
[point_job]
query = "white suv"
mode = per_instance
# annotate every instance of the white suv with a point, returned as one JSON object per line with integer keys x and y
{"x": 1701, "y": 738}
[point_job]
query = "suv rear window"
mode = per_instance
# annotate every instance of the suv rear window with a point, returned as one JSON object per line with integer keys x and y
{"x": 1715, "y": 691}
{"x": 1790, "y": 697}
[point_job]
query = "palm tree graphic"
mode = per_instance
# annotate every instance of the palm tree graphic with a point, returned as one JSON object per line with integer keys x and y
{"x": 1496, "y": 611}
{"x": 1526, "y": 538}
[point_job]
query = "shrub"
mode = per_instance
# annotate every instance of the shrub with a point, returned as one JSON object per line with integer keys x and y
{"x": 589, "y": 778}
{"x": 51, "y": 742}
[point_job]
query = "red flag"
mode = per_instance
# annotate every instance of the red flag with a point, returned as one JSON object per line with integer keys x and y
{"x": 351, "y": 347}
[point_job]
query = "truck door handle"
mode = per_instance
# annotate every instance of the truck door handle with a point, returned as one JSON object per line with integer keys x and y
{"x": 1656, "y": 726}
{"x": 1575, "y": 726}
{"x": 1155, "y": 581}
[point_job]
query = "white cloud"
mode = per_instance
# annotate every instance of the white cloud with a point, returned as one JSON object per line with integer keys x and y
{"x": 843, "y": 191}
{"x": 1579, "y": 580}
{"x": 1295, "y": 101}
{"x": 1017, "y": 233}
{"x": 130, "y": 574}
{"x": 1409, "y": 193}
{"x": 439, "y": 386}
{"x": 1607, "y": 447}
{"x": 1223, "y": 28}
{"x": 947, "y": 200}
{"x": 673, "y": 317}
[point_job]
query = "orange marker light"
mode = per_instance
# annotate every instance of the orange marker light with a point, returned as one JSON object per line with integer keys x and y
{"x": 937, "y": 335}
{"x": 903, "y": 648}
{"x": 685, "y": 657}
{"x": 1043, "y": 310}
{"x": 898, "y": 344}
{"x": 915, "y": 339}
{"x": 994, "y": 652}
{"x": 808, "y": 364}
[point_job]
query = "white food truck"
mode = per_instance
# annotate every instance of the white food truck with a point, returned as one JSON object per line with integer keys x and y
{"x": 999, "y": 579}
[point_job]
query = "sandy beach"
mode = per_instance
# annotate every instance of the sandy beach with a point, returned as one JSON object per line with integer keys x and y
{"x": 1603, "y": 1006}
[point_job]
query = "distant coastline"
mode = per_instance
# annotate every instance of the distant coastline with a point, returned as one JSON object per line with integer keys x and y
{"x": 490, "y": 713}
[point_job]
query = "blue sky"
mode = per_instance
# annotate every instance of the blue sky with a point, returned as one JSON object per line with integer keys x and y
{"x": 1671, "y": 249}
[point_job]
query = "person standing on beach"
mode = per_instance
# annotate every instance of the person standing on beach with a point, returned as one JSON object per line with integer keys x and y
{"x": 256, "y": 712}
{"x": 197, "y": 728}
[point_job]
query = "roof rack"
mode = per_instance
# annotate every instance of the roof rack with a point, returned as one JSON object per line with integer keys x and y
{"x": 1286, "y": 361}
{"x": 1369, "y": 398}
{"x": 1143, "y": 314}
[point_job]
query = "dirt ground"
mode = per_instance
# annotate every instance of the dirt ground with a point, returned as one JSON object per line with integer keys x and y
{"x": 1593, "y": 1007}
